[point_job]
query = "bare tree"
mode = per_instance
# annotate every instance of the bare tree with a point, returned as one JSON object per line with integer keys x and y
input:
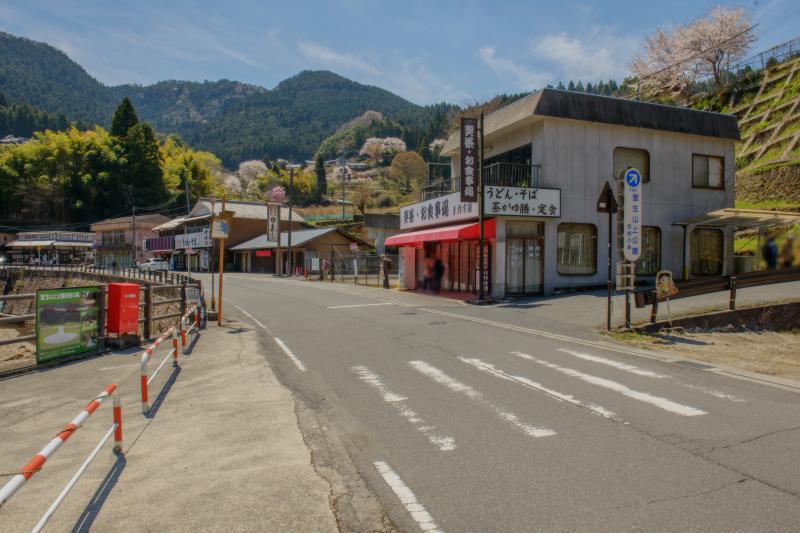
{"x": 674, "y": 59}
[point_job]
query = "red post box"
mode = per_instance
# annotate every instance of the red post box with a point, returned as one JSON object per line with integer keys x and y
{"x": 123, "y": 308}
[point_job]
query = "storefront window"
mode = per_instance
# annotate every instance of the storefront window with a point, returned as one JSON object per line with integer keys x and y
{"x": 706, "y": 250}
{"x": 649, "y": 263}
{"x": 577, "y": 249}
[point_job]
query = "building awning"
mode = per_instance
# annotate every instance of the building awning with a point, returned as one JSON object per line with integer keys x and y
{"x": 460, "y": 232}
{"x": 73, "y": 244}
{"x": 30, "y": 244}
{"x": 742, "y": 219}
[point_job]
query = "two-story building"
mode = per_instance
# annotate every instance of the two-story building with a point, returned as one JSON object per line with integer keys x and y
{"x": 547, "y": 157}
{"x": 50, "y": 247}
{"x": 120, "y": 241}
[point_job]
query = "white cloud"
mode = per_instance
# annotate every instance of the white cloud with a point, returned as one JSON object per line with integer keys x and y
{"x": 601, "y": 54}
{"x": 335, "y": 60}
{"x": 521, "y": 77}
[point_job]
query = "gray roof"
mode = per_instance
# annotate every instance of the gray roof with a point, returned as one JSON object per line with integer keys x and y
{"x": 605, "y": 110}
{"x": 299, "y": 238}
{"x": 242, "y": 209}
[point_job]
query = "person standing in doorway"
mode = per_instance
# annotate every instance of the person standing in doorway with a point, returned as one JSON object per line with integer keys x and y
{"x": 438, "y": 272}
{"x": 427, "y": 280}
{"x": 386, "y": 266}
{"x": 787, "y": 252}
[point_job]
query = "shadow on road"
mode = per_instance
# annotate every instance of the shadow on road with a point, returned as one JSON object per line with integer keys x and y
{"x": 92, "y": 509}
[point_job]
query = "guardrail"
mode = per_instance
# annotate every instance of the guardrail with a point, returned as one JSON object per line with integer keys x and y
{"x": 7, "y": 318}
{"x": 155, "y": 276}
{"x": 697, "y": 287}
{"x": 145, "y": 378}
{"x": 37, "y": 462}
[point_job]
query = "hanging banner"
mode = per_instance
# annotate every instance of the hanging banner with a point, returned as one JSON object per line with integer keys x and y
{"x": 632, "y": 222}
{"x": 469, "y": 160}
{"x": 273, "y": 221}
{"x": 197, "y": 239}
{"x": 66, "y": 322}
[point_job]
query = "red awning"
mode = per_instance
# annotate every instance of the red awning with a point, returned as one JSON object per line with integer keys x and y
{"x": 461, "y": 232}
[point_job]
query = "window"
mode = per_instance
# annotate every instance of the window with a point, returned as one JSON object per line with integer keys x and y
{"x": 707, "y": 171}
{"x": 706, "y": 250}
{"x": 113, "y": 238}
{"x": 577, "y": 249}
{"x": 649, "y": 263}
{"x": 637, "y": 158}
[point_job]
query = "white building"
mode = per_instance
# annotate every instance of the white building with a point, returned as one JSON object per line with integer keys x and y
{"x": 564, "y": 147}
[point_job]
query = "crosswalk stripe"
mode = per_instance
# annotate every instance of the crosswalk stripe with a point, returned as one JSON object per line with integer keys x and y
{"x": 397, "y": 401}
{"x": 616, "y": 364}
{"x": 521, "y": 380}
{"x": 662, "y": 403}
{"x": 456, "y": 386}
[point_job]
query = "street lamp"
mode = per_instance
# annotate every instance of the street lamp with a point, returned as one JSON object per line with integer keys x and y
{"x": 291, "y": 168}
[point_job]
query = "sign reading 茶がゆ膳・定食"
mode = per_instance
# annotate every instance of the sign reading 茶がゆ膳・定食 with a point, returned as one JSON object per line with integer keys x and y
{"x": 521, "y": 201}
{"x": 441, "y": 210}
{"x": 67, "y": 322}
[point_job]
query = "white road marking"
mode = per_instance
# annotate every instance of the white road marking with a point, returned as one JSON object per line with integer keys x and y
{"x": 291, "y": 355}
{"x": 357, "y": 305}
{"x": 616, "y": 364}
{"x": 456, "y": 386}
{"x": 443, "y": 442}
{"x": 662, "y": 403}
{"x": 715, "y": 393}
{"x": 522, "y": 380}
{"x": 254, "y": 319}
{"x": 407, "y": 497}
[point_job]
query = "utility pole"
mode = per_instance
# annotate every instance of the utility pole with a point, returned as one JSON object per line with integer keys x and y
{"x": 221, "y": 268}
{"x": 344, "y": 176}
{"x": 291, "y": 199}
{"x": 211, "y": 260}
{"x": 133, "y": 232}
{"x": 185, "y": 225}
{"x": 481, "y": 241}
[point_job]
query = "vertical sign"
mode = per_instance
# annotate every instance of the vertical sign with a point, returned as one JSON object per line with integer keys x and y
{"x": 469, "y": 160}
{"x": 273, "y": 221}
{"x": 633, "y": 215}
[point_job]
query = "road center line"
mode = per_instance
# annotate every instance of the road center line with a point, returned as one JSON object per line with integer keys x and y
{"x": 357, "y": 305}
{"x": 407, "y": 498}
{"x": 521, "y": 380}
{"x": 616, "y": 364}
{"x": 291, "y": 355}
{"x": 663, "y": 403}
{"x": 456, "y": 386}
{"x": 443, "y": 442}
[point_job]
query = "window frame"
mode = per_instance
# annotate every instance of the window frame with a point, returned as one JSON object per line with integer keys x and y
{"x": 660, "y": 250}
{"x": 721, "y": 235}
{"x": 646, "y": 174}
{"x": 722, "y": 172}
{"x": 596, "y": 245}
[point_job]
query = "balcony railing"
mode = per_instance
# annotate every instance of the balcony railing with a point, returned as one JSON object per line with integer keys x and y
{"x": 500, "y": 174}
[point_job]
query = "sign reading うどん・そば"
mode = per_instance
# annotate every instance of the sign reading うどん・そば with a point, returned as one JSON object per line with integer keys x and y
{"x": 521, "y": 201}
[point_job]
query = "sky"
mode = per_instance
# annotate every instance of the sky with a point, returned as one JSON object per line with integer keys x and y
{"x": 460, "y": 51}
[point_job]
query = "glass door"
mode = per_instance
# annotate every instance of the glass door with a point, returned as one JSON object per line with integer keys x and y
{"x": 515, "y": 265}
{"x": 534, "y": 266}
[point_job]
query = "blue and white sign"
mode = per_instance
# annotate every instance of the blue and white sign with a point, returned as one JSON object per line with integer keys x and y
{"x": 632, "y": 222}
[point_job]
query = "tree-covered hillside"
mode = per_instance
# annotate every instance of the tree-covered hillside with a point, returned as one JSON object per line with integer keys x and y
{"x": 234, "y": 120}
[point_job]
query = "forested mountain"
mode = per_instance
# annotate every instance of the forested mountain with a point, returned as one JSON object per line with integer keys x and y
{"x": 234, "y": 120}
{"x": 23, "y": 120}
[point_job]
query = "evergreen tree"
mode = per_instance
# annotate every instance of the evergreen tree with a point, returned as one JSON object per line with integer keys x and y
{"x": 560, "y": 86}
{"x": 590, "y": 88}
{"x": 143, "y": 175}
{"x": 124, "y": 118}
{"x": 3, "y": 101}
{"x": 322, "y": 180}
{"x": 579, "y": 87}
{"x": 571, "y": 85}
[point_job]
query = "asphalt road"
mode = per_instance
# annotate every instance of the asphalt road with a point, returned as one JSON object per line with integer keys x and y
{"x": 482, "y": 419}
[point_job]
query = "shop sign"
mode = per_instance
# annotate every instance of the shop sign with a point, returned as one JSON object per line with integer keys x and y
{"x": 469, "y": 160}
{"x": 315, "y": 264}
{"x": 441, "y": 210}
{"x": 66, "y": 322}
{"x": 204, "y": 259}
{"x": 632, "y": 222}
{"x": 198, "y": 239}
{"x": 521, "y": 201}
{"x": 263, "y": 253}
{"x": 273, "y": 221}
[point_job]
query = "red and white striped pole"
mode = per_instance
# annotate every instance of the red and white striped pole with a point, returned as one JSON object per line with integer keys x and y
{"x": 37, "y": 462}
{"x": 174, "y": 347}
{"x": 183, "y": 333}
{"x": 143, "y": 378}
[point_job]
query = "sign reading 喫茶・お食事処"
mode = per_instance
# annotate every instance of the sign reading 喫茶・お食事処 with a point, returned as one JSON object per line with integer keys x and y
{"x": 469, "y": 160}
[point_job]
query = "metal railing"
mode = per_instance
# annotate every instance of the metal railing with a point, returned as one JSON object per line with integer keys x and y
{"x": 357, "y": 269}
{"x": 698, "y": 287}
{"x": 511, "y": 175}
{"x": 154, "y": 276}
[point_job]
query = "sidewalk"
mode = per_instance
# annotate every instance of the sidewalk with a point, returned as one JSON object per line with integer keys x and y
{"x": 222, "y": 452}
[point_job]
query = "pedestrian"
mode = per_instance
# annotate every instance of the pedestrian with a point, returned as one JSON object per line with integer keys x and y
{"x": 114, "y": 267}
{"x": 323, "y": 269}
{"x": 438, "y": 272}
{"x": 386, "y": 266}
{"x": 787, "y": 252}
{"x": 770, "y": 253}
{"x": 427, "y": 280}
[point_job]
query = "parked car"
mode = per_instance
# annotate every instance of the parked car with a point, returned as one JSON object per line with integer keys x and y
{"x": 154, "y": 264}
